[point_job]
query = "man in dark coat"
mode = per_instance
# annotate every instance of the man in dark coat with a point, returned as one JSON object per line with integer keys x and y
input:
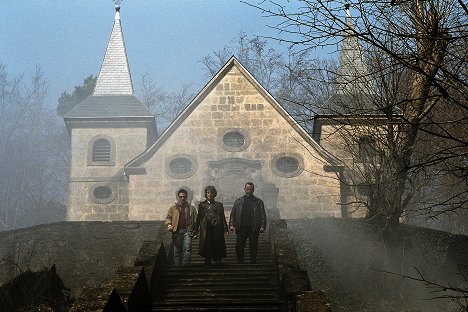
{"x": 248, "y": 219}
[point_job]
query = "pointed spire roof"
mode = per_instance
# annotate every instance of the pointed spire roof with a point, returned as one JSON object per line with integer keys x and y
{"x": 352, "y": 71}
{"x": 353, "y": 89}
{"x": 114, "y": 77}
{"x": 113, "y": 94}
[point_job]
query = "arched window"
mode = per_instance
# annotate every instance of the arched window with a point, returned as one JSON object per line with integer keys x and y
{"x": 367, "y": 147}
{"x": 101, "y": 150}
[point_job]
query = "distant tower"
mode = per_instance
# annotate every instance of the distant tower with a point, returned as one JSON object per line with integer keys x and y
{"x": 352, "y": 75}
{"x": 341, "y": 121}
{"x": 107, "y": 130}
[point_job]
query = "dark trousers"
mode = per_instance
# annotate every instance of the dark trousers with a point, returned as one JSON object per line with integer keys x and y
{"x": 243, "y": 234}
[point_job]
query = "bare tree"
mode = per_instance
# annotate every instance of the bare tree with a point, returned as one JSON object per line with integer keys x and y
{"x": 422, "y": 41}
{"x": 293, "y": 77}
{"x": 166, "y": 106}
{"x": 32, "y": 153}
{"x": 67, "y": 101}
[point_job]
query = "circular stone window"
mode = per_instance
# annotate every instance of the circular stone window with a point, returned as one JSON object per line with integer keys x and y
{"x": 287, "y": 165}
{"x": 103, "y": 194}
{"x": 234, "y": 140}
{"x": 181, "y": 166}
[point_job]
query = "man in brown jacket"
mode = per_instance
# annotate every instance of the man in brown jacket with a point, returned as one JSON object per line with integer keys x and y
{"x": 180, "y": 220}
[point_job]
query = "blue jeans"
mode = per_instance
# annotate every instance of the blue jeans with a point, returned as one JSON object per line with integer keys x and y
{"x": 182, "y": 247}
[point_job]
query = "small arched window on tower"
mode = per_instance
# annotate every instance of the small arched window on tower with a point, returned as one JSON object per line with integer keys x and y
{"x": 101, "y": 151}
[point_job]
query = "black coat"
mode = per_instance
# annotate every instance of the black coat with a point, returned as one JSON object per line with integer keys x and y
{"x": 258, "y": 214}
{"x": 211, "y": 243}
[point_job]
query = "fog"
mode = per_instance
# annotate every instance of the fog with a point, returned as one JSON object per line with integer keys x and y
{"x": 351, "y": 263}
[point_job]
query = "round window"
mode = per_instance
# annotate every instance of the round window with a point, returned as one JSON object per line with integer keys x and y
{"x": 180, "y": 165}
{"x": 287, "y": 164}
{"x": 234, "y": 139}
{"x": 102, "y": 192}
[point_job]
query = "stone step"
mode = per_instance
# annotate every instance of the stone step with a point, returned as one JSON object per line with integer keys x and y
{"x": 220, "y": 305}
{"x": 225, "y": 287}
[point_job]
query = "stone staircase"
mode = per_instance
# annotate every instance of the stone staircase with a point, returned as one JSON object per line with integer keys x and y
{"x": 226, "y": 287}
{"x": 275, "y": 283}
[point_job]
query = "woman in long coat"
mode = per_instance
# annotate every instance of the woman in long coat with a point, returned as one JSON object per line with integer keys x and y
{"x": 211, "y": 226}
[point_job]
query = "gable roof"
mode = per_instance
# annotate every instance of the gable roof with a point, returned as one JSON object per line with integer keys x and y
{"x": 145, "y": 156}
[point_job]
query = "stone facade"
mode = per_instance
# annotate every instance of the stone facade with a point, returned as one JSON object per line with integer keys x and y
{"x": 233, "y": 132}
{"x": 86, "y": 175}
{"x": 234, "y": 103}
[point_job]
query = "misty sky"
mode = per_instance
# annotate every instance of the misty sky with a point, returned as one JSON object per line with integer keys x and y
{"x": 164, "y": 38}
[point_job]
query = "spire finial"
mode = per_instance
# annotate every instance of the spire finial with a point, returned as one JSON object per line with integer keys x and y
{"x": 117, "y": 5}
{"x": 347, "y": 6}
{"x": 117, "y": 8}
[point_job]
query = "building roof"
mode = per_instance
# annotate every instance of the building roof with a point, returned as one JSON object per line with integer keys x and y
{"x": 113, "y": 94}
{"x": 134, "y": 164}
{"x": 109, "y": 106}
{"x": 352, "y": 76}
{"x": 114, "y": 77}
{"x": 354, "y": 88}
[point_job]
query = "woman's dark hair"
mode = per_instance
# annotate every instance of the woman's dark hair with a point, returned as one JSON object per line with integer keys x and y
{"x": 212, "y": 189}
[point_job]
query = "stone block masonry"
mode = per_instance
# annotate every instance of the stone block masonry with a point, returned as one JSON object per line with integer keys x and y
{"x": 85, "y": 253}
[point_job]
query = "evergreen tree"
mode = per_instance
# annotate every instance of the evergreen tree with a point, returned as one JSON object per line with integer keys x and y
{"x": 67, "y": 102}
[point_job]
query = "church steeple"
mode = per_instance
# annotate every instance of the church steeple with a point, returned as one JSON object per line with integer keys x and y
{"x": 114, "y": 77}
{"x": 113, "y": 97}
{"x": 352, "y": 76}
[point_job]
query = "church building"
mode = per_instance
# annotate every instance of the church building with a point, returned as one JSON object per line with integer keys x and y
{"x": 232, "y": 132}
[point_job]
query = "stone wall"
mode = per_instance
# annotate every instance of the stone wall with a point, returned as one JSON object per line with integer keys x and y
{"x": 86, "y": 175}
{"x": 85, "y": 253}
